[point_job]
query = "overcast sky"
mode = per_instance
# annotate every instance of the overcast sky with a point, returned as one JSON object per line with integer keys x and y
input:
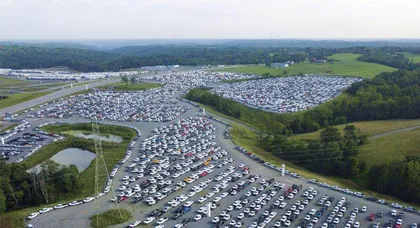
{"x": 168, "y": 19}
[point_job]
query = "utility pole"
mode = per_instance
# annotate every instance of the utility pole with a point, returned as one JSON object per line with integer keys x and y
{"x": 101, "y": 171}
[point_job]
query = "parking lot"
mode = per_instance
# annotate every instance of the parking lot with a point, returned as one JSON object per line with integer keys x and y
{"x": 181, "y": 164}
{"x": 142, "y": 211}
{"x": 286, "y": 94}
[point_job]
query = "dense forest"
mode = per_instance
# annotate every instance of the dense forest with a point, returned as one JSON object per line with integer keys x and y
{"x": 86, "y": 60}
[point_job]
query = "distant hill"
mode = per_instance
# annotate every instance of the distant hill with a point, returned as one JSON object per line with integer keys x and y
{"x": 259, "y": 43}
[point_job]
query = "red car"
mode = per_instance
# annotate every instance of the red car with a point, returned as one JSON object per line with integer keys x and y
{"x": 204, "y": 174}
{"x": 371, "y": 217}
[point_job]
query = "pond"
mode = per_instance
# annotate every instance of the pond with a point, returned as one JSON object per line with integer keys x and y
{"x": 69, "y": 156}
{"x": 107, "y": 138}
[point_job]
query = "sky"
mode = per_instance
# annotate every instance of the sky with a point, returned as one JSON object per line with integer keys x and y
{"x": 209, "y": 19}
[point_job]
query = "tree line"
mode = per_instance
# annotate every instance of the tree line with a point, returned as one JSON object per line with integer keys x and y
{"x": 85, "y": 60}
{"x": 333, "y": 154}
{"x": 51, "y": 183}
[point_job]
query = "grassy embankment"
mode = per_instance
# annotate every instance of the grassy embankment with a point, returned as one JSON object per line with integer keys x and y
{"x": 395, "y": 145}
{"x": 14, "y": 99}
{"x": 113, "y": 153}
{"x": 110, "y": 217}
{"x": 345, "y": 64}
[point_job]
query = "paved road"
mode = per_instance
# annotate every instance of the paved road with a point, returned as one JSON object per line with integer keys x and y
{"x": 393, "y": 132}
{"x": 53, "y": 96}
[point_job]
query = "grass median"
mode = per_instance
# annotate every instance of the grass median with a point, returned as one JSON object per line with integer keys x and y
{"x": 18, "y": 98}
{"x": 110, "y": 217}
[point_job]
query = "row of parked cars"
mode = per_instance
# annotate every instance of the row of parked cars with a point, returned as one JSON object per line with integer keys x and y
{"x": 285, "y": 94}
{"x": 154, "y": 105}
{"x": 196, "y": 78}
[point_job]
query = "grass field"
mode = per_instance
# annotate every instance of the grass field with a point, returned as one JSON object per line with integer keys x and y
{"x": 370, "y": 127}
{"x": 345, "y": 65}
{"x": 134, "y": 87}
{"x": 14, "y": 99}
{"x": 110, "y": 217}
{"x": 113, "y": 153}
{"x": 390, "y": 147}
{"x": 10, "y": 82}
{"x": 414, "y": 57}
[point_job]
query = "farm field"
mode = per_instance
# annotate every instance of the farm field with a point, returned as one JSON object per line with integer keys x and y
{"x": 345, "y": 65}
{"x": 19, "y": 98}
{"x": 369, "y": 127}
{"x": 414, "y": 57}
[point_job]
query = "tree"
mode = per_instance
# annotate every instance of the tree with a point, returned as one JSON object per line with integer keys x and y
{"x": 285, "y": 72}
{"x": 2, "y": 202}
{"x": 330, "y": 134}
{"x": 124, "y": 79}
{"x": 133, "y": 80}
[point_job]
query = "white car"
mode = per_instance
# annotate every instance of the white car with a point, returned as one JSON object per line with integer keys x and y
{"x": 149, "y": 220}
{"x": 60, "y": 206}
{"x": 134, "y": 224}
{"x": 88, "y": 199}
{"x": 45, "y": 210}
{"x": 197, "y": 217}
{"x": 215, "y": 220}
{"x": 162, "y": 220}
{"x": 33, "y": 215}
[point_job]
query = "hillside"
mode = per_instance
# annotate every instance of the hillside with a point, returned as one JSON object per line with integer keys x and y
{"x": 370, "y": 127}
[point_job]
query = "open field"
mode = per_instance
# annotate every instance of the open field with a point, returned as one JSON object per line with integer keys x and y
{"x": 133, "y": 87}
{"x": 345, "y": 65}
{"x": 10, "y": 82}
{"x": 390, "y": 147}
{"x": 19, "y": 98}
{"x": 109, "y": 218}
{"x": 369, "y": 127}
{"x": 414, "y": 57}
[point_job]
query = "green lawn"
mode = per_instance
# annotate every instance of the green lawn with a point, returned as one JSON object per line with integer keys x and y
{"x": 370, "y": 127}
{"x": 414, "y": 57}
{"x": 390, "y": 147}
{"x": 134, "y": 87}
{"x": 14, "y": 99}
{"x": 345, "y": 64}
{"x": 110, "y": 217}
